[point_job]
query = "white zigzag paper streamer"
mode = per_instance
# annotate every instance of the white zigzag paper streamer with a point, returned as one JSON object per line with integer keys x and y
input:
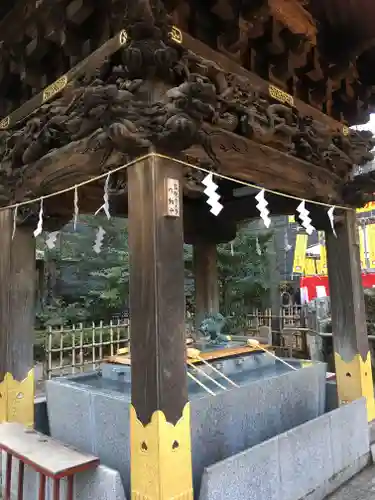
{"x": 51, "y": 240}
{"x": 39, "y": 227}
{"x": 212, "y": 196}
{"x": 262, "y": 207}
{"x": 331, "y": 218}
{"x": 257, "y": 246}
{"x": 304, "y": 216}
{"x": 99, "y": 240}
{"x": 105, "y": 206}
{"x": 15, "y": 213}
{"x": 287, "y": 246}
{"x": 76, "y": 208}
{"x": 106, "y": 198}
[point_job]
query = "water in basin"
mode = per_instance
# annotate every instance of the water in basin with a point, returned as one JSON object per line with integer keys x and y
{"x": 242, "y": 370}
{"x": 272, "y": 398}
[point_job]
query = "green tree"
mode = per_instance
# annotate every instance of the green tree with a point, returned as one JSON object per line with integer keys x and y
{"x": 93, "y": 287}
{"x": 242, "y": 272}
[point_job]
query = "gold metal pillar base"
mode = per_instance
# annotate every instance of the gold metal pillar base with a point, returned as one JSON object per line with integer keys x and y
{"x": 354, "y": 381}
{"x": 17, "y": 399}
{"x": 161, "y": 457}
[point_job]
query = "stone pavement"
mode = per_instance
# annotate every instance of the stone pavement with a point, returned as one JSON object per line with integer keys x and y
{"x": 361, "y": 487}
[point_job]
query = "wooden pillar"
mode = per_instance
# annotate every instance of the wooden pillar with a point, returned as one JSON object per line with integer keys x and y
{"x": 17, "y": 314}
{"x": 39, "y": 284}
{"x": 206, "y": 280}
{"x": 276, "y": 320}
{"x": 351, "y": 347}
{"x": 160, "y": 414}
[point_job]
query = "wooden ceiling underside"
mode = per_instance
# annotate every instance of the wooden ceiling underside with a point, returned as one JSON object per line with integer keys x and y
{"x": 215, "y": 107}
{"x": 353, "y": 18}
{"x": 320, "y": 51}
{"x": 210, "y": 111}
{"x": 5, "y": 7}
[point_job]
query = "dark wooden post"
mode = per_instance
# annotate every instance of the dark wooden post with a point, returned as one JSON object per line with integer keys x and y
{"x": 276, "y": 321}
{"x": 160, "y": 416}
{"x": 351, "y": 347}
{"x": 206, "y": 280}
{"x": 17, "y": 314}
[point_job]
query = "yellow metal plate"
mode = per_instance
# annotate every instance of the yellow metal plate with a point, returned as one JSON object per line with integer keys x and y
{"x": 280, "y": 95}
{"x": 55, "y": 88}
{"x": 4, "y": 123}
{"x": 176, "y": 35}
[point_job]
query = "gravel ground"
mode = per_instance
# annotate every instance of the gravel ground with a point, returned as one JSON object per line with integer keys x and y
{"x": 361, "y": 487}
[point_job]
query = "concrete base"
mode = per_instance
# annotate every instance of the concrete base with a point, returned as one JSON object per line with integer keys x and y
{"x": 97, "y": 421}
{"x": 309, "y": 461}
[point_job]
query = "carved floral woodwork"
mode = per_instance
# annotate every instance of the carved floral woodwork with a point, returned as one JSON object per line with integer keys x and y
{"x": 288, "y": 42}
{"x": 155, "y": 95}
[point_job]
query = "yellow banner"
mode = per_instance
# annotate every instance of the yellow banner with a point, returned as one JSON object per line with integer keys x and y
{"x": 322, "y": 262}
{"x": 370, "y": 229}
{"x": 362, "y": 247}
{"x": 300, "y": 253}
{"x": 367, "y": 208}
{"x": 291, "y": 219}
{"x": 310, "y": 267}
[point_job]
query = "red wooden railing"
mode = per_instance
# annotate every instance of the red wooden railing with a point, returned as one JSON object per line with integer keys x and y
{"x": 47, "y": 457}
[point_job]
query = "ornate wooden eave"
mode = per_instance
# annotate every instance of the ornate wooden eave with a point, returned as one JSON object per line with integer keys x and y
{"x": 311, "y": 49}
{"x": 166, "y": 92}
{"x": 321, "y": 51}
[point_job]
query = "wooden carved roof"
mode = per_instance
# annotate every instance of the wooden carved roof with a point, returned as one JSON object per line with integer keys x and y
{"x": 321, "y": 51}
{"x": 351, "y": 20}
{"x": 250, "y": 88}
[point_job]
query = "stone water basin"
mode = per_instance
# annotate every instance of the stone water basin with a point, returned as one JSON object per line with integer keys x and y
{"x": 240, "y": 370}
{"x": 91, "y": 411}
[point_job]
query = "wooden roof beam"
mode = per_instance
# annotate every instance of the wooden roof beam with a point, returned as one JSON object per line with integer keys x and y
{"x": 79, "y": 10}
{"x": 260, "y": 85}
{"x": 295, "y": 17}
{"x": 244, "y": 159}
{"x": 23, "y": 14}
{"x": 235, "y": 155}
